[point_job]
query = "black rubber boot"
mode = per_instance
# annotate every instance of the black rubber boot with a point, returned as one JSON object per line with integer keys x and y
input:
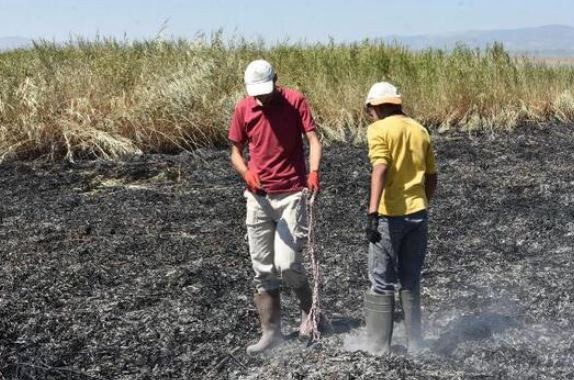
{"x": 411, "y": 304}
{"x": 379, "y": 316}
{"x": 269, "y": 308}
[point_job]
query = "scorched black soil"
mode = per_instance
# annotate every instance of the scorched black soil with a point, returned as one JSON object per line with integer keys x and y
{"x": 140, "y": 270}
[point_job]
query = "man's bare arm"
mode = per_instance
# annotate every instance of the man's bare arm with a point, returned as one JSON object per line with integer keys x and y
{"x": 315, "y": 151}
{"x": 431, "y": 181}
{"x": 377, "y": 185}
{"x": 237, "y": 159}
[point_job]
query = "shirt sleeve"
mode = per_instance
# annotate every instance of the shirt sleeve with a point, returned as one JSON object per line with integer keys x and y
{"x": 237, "y": 132}
{"x": 430, "y": 161}
{"x": 379, "y": 152}
{"x": 307, "y": 122}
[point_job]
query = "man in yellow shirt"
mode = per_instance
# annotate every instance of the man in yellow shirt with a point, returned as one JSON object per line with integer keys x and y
{"x": 403, "y": 181}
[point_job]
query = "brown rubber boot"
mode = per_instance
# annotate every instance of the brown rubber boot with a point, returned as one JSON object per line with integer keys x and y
{"x": 411, "y": 304}
{"x": 269, "y": 308}
{"x": 305, "y": 296}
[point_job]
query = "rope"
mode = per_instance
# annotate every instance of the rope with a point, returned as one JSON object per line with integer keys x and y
{"x": 315, "y": 311}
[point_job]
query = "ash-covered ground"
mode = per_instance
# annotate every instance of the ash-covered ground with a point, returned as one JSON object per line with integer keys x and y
{"x": 139, "y": 269}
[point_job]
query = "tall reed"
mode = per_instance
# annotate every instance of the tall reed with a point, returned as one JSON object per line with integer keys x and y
{"x": 109, "y": 98}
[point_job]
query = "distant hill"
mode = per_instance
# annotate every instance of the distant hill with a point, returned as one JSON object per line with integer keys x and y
{"x": 544, "y": 41}
{"x": 549, "y": 40}
{"x": 8, "y": 43}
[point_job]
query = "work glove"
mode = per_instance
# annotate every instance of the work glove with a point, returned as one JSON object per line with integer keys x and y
{"x": 372, "y": 230}
{"x": 313, "y": 182}
{"x": 252, "y": 181}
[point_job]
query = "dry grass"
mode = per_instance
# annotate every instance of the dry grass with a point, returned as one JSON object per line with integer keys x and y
{"x": 109, "y": 99}
{"x": 556, "y": 60}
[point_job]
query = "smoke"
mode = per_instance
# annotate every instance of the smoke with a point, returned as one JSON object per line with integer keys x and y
{"x": 442, "y": 334}
{"x": 471, "y": 328}
{"x": 358, "y": 340}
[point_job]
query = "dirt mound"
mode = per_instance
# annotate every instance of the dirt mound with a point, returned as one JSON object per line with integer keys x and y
{"x": 140, "y": 269}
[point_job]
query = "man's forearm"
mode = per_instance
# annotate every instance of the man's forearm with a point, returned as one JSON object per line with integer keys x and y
{"x": 377, "y": 186}
{"x": 315, "y": 152}
{"x": 430, "y": 185}
{"x": 237, "y": 161}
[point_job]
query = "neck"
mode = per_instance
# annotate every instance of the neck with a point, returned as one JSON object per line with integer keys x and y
{"x": 264, "y": 100}
{"x": 390, "y": 112}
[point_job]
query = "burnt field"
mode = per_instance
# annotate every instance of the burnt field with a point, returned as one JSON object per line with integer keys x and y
{"x": 139, "y": 269}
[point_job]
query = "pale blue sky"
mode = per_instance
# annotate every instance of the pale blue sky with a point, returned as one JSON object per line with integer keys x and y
{"x": 344, "y": 20}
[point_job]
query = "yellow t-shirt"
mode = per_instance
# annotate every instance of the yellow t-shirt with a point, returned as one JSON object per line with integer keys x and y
{"x": 404, "y": 146}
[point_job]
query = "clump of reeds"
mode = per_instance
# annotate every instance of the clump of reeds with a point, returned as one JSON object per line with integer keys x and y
{"x": 109, "y": 99}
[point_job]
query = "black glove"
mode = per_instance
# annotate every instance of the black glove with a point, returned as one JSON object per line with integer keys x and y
{"x": 372, "y": 230}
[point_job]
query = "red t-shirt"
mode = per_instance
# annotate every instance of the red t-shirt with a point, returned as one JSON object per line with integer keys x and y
{"x": 274, "y": 133}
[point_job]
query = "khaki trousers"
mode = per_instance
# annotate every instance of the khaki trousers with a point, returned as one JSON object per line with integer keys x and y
{"x": 277, "y": 231}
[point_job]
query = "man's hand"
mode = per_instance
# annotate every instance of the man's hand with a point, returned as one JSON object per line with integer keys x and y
{"x": 252, "y": 181}
{"x": 313, "y": 182}
{"x": 372, "y": 230}
{"x": 315, "y": 152}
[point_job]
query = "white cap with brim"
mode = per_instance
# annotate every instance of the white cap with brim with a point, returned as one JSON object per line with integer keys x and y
{"x": 383, "y": 93}
{"x": 259, "y": 78}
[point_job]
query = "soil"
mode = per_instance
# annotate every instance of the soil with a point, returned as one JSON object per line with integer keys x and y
{"x": 139, "y": 269}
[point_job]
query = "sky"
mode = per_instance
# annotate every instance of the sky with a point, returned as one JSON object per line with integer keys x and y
{"x": 272, "y": 21}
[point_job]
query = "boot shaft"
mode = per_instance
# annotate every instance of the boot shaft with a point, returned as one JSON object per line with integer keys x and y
{"x": 411, "y": 304}
{"x": 269, "y": 309}
{"x": 379, "y": 317}
{"x": 268, "y": 305}
{"x": 305, "y": 296}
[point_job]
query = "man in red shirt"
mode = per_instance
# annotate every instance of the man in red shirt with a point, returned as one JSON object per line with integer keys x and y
{"x": 271, "y": 122}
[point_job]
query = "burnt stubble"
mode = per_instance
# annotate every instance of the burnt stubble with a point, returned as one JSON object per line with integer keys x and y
{"x": 139, "y": 269}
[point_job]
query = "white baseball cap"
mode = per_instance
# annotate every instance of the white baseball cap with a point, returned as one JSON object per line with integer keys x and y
{"x": 383, "y": 92}
{"x": 259, "y": 76}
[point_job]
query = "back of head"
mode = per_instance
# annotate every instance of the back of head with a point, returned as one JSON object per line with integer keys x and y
{"x": 383, "y": 100}
{"x": 387, "y": 109}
